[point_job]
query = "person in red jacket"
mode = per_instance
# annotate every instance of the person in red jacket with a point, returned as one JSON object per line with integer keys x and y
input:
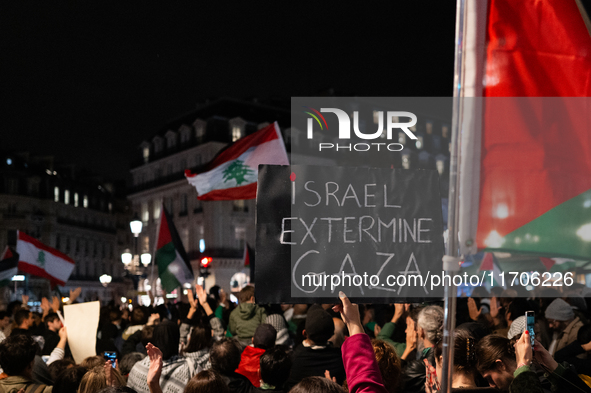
{"x": 263, "y": 339}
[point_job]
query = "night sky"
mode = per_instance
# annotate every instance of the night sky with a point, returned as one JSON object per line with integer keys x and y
{"x": 88, "y": 81}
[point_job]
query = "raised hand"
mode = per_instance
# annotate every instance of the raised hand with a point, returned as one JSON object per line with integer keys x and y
{"x": 327, "y": 376}
{"x": 523, "y": 350}
{"x": 155, "y": 369}
{"x": 25, "y": 299}
{"x": 473, "y": 310}
{"x": 399, "y": 309}
{"x": 192, "y": 301}
{"x": 201, "y": 295}
{"x": 74, "y": 294}
{"x": 494, "y": 307}
{"x": 349, "y": 314}
{"x": 55, "y": 303}
{"x": 45, "y": 306}
{"x": 543, "y": 357}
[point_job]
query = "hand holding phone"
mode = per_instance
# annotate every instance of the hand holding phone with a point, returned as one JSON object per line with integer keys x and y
{"x": 530, "y": 320}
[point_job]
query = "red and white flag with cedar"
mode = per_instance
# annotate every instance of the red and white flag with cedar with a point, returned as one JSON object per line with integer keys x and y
{"x": 233, "y": 173}
{"x": 40, "y": 260}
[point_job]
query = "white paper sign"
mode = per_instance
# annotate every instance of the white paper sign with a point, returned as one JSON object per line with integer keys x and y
{"x": 82, "y": 321}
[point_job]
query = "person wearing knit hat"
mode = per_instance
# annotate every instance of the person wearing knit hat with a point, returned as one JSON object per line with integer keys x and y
{"x": 565, "y": 326}
{"x": 278, "y": 322}
{"x": 316, "y": 354}
{"x": 517, "y": 327}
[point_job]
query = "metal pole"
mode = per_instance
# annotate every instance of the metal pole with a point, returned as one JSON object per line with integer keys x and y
{"x": 452, "y": 220}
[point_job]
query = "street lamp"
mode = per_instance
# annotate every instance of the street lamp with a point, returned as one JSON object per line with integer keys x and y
{"x": 146, "y": 259}
{"x": 105, "y": 279}
{"x": 132, "y": 261}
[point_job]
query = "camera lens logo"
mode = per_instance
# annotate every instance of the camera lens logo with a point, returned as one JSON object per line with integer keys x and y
{"x": 392, "y": 122}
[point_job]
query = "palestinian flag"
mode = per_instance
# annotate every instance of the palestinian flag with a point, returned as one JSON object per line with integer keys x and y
{"x": 490, "y": 263}
{"x": 525, "y": 163}
{"x": 174, "y": 268}
{"x": 8, "y": 266}
{"x": 233, "y": 173}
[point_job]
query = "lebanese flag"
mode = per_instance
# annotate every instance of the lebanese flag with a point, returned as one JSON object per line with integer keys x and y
{"x": 525, "y": 151}
{"x": 233, "y": 173}
{"x": 40, "y": 260}
{"x": 174, "y": 268}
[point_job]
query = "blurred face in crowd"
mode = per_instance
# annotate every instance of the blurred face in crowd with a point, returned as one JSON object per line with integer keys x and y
{"x": 499, "y": 377}
{"x": 54, "y": 325}
{"x": 557, "y": 326}
{"x": 4, "y": 322}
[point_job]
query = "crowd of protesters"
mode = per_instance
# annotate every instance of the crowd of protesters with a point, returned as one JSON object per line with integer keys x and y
{"x": 209, "y": 344}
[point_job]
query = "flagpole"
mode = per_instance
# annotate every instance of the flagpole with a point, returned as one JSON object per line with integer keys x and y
{"x": 452, "y": 218}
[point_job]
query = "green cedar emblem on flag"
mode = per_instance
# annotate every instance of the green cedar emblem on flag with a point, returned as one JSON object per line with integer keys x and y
{"x": 238, "y": 171}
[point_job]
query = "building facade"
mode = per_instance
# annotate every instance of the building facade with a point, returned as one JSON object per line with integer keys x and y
{"x": 216, "y": 229}
{"x": 70, "y": 211}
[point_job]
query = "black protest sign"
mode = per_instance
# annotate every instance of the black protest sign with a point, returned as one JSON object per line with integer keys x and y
{"x": 375, "y": 234}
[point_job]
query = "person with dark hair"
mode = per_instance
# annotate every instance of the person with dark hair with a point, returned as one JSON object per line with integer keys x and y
{"x": 574, "y": 353}
{"x": 117, "y": 389}
{"x": 464, "y": 362}
{"x": 4, "y": 322}
{"x": 275, "y": 366}
{"x": 53, "y": 325}
{"x": 23, "y": 320}
{"x": 508, "y": 367}
{"x": 69, "y": 380}
{"x": 57, "y": 367}
{"x": 17, "y": 356}
{"x": 176, "y": 370}
{"x": 317, "y": 385}
{"x": 92, "y": 361}
{"x": 315, "y": 355}
{"x": 264, "y": 338}
{"x": 128, "y": 361}
{"x": 207, "y": 381}
{"x": 246, "y": 317}
{"x": 225, "y": 358}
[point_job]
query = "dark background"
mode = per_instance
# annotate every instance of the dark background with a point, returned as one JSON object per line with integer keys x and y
{"x": 88, "y": 81}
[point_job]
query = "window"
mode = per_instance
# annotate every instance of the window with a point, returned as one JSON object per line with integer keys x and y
{"x": 75, "y": 199}
{"x": 85, "y": 201}
{"x": 170, "y": 139}
{"x": 401, "y": 137}
{"x": 419, "y": 142}
{"x": 185, "y": 134}
{"x": 198, "y": 206}
{"x": 145, "y": 244}
{"x": 199, "y": 129}
{"x": 376, "y": 117}
{"x": 168, "y": 205}
{"x": 56, "y": 194}
{"x": 67, "y": 197}
{"x": 236, "y": 133}
{"x": 145, "y": 213}
{"x": 57, "y": 241}
{"x": 183, "y": 164}
{"x": 157, "y": 205}
{"x": 240, "y": 236}
{"x": 67, "y": 244}
{"x": 146, "y": 153}
{"x": 157, "y": 145}
{"x": 183, "y": 211}
{"x": 239, "y": 205}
